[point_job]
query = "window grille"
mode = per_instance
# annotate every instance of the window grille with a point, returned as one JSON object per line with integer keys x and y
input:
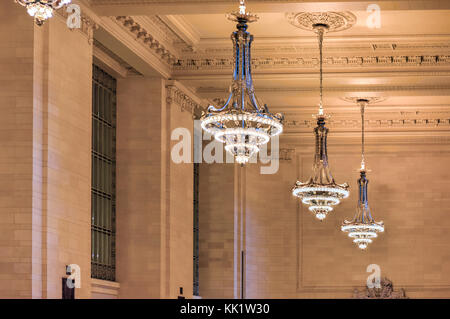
{"x": 196, "y": 233}
{"x": 103, "y": 228}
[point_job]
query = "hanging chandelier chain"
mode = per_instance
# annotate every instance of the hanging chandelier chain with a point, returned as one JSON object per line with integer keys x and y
{"x": 362, "y": 104}
{"x": 363, "y": 145}
{"x": 320, "y": 33}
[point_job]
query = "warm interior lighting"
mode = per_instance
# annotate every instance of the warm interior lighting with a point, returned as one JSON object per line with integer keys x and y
{"x": 241, "y": 123}
{"x": 321, "y": 192}
{"x": 363, "y": 228}
{"x": 42, "y": 10}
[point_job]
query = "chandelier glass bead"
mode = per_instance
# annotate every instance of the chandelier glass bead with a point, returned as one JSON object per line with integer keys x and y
{"x": 241, "y": 123}
{"x": 42, "y": 10}
{"x": 363, "y": 229}
{"x": 321, "y": 192}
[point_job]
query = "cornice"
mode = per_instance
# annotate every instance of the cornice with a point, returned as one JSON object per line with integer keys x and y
{"x": 88, "y": 21}
{"x": 270, "y": 62}
{"x": 145, "y": 39}
{"x": 183, "y": 29}
{"x": 112, "y": 61}
{"x": 178, "y": 94}
{"x": 159, "y": 30}
{"x": 350, "y": 124}
{"x": 353, "y": 88}
{"x": 387, "y": 123}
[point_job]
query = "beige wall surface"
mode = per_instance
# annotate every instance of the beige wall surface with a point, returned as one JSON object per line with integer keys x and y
{"x": 154, "y": 194}
{"x": 139, "y": 187}
{"x": 68, "y": 138}
{"x": 46, "y": 155}
{"x": 16, "y": 143}
{"x": 216, "y": 230}
{"x": 45, "y": 158}
{"x": 290, "y": 254}
{"x": 180, "y": 191}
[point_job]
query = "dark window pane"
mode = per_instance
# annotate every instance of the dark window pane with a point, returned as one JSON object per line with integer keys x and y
{"x": 103, "y": 175}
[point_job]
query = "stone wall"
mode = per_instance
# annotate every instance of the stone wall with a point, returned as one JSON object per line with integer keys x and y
{"x": 46, "y": 146}
{"x": 290, "y": 254}
{"x": 154, "y": 194}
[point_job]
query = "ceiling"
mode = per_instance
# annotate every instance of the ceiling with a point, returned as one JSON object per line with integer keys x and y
{"x": 406, "y": 61}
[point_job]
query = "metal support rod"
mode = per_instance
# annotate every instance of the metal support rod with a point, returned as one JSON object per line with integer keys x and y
{"x": 320, "y": 36}
{"x": 362, "y": 104}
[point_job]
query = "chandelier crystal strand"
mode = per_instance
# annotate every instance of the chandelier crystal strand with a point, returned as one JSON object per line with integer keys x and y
{"x": 321, "y": 192}
{"x": 42, "y": 10}
{"x": 363, "y": 228}
{"x": 241, "y": 123}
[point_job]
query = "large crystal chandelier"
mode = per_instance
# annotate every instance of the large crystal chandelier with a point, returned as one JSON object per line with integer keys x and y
{"x": 363, "y": 228}
{"x": 42, "y": 10}
{"x": 321, "y": 192}
{"x": 241, "y": 123}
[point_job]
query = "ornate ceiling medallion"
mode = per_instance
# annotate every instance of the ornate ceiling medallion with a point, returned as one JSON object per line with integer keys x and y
{"x": 241, "y": 122}
{"x": 336, "y": 21}
{"x": 370, "y": 100}
{"x": 363, "y": 228}
{"x": 42, "y": 10}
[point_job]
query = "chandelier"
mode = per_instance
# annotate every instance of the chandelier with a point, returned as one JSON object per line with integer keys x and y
{"x": 241, "y": 123}
{"x": 42, "y": 10}
{"x": 321, "y": 192}
{"x": 363, "y": 228}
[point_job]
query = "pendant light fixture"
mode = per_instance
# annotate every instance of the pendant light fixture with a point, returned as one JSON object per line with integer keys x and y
{"x": 362, "y": 228}
{"x": 42, "y": 10}
{"x": 241, "y": 123}
{"x": 321, "y": 192}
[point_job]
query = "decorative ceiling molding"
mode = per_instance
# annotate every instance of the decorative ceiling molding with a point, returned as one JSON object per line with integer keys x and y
{"x": 342, "y": 45}
{"x": 159, "y": 31}
{"x": 184, "y": 30}
{"x": 353, "y": 88}
{"x": 142, "y": 36}
{"x": 178, "y": 94}
{"x": 414, "y": 123}
{"x": 369, "y": 99}
{"x": 408, "y": 122}
{"x": 88, "y": 23}
{"x": 111, "y": 60}
{"x": 213, "y": 63}
{"x": 336, "y": 21}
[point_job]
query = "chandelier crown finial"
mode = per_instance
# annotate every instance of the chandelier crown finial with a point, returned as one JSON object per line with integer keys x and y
{"x": 242, "y": 17}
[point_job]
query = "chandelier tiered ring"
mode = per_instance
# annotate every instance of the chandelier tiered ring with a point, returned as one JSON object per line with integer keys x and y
{"x": 241, "y": 123}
